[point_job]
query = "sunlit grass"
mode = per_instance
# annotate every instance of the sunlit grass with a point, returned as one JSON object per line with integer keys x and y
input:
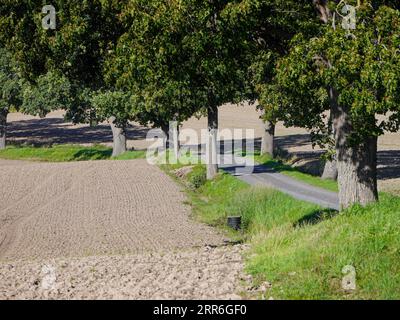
{"x": 65, "y": 153}
{"x": 302, "y": 249}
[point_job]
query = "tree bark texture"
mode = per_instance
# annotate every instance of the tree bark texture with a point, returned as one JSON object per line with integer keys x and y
{"x": 267, "y": 140}
{"x": 119, "y": 138}
{"x": 211, "y": 148}
{"x": 3, "y": 129}
{"x": 356, "y": 162}
{"x": 330, "y": 170}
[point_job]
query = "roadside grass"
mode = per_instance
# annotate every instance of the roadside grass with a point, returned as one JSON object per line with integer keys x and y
{"x": 131, "y": 155}
{"x": 302, "y": 249}
{"x": 286, "y": 169}
{"x": 306, "y": 261}
{"x": 65, "y": 153}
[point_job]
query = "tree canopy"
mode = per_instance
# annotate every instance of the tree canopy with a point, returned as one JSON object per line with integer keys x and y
{"x": 353, "y": 74}
{"x": 10, "y": 82}
{"x": 76, "y": 49}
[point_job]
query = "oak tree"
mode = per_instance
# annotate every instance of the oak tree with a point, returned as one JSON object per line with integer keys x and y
{"x": 355, "y": 75}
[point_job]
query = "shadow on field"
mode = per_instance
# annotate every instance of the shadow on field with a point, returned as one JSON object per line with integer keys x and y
{"x": 316, "y": 217}
{"x": 48, "y": 131}
{"x": 39, "y": 132}
{"x": 291, "y": 141}
{"x": 388, "y": 160}
{"x": 388, "y": 164}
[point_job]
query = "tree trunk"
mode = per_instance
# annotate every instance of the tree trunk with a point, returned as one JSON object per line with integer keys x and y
{"x": 211, "y": 148}
{"x": 119, "y": 138}
{"x": 165, "y": 130}
{"x": 3, "y": 129}
{"x": 330, "y": 170}
{"x": 175, "y": 138}
{"x": 267, "y": 141}
{"x": 356, "y": 163}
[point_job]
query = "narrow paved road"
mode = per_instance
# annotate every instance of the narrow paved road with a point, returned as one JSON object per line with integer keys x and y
{"x": 263, "y": 175}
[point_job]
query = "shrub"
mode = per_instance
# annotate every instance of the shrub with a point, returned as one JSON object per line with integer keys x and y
{"x": 198, "y": 177}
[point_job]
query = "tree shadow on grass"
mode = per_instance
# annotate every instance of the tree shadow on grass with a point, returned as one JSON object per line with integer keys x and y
{"x": 316, "y": 217}
{"x": 92, "y": 154}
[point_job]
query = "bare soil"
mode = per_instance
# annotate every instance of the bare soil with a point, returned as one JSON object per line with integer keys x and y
{"x": 93, "y": 208}
{"x": 204, "y": 273}
{"x": 107, "y": 230}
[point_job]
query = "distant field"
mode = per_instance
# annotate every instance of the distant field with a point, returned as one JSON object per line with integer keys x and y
{"x": 53, "y": 130}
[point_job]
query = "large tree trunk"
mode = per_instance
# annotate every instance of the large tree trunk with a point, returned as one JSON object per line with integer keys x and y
{"x": 211, "y": 148}
{"x": 119, "y": 138}
{"x": 330, "y": 170}
{"x": 3, "y": 129}
{"x": 267, "y": 141}
{"x": 356, "y": 163}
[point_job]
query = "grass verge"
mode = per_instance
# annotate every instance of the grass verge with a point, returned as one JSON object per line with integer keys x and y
{"x": 300, "y": 248}
{"x": 64, "y": 153}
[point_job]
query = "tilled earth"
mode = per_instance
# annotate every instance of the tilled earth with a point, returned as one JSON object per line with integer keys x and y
{"x": 206, "y": 273}
{"x": 84, "y": 208}
{"x": 106, "y": 229}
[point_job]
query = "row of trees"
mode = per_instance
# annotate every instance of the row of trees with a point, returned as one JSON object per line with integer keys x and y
{"x": 154, "y": 61}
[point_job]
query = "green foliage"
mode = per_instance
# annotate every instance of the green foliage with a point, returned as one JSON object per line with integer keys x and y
{"x": 10, "y": 83}
{"x": 84, "y": 36}
{"x": 76, "y": 48}
{"x": 363, "y": 67}
{"x": 113, "y": 104}
{"x": 51, "y": 92}
{"x": 144, "y": 62}
{"x": 270, "y": 26}
{"x": 178, "y": 57}
{"x": 198, "y": 177}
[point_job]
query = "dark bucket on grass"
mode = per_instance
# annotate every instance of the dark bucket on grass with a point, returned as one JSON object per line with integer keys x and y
{"x": 235, "y": 222}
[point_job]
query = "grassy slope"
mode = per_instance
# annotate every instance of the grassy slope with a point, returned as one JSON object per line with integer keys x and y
{"x": 301, "y": 249}
{"x": 63, "y": 153}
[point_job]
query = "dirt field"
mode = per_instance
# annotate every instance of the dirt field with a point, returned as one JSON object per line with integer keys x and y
{"x": 206, "y": 273}
{"x": 91, "y": 208}
{"x": 106, "y": 230}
